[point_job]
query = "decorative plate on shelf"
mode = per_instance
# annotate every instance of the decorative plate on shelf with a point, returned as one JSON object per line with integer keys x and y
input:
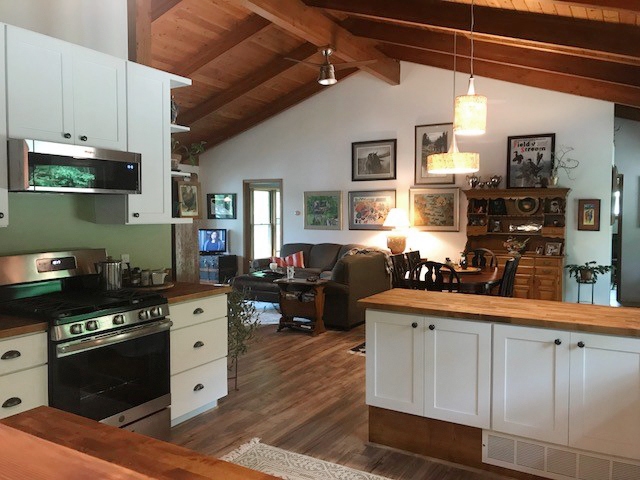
{"x": 527, "y": 205}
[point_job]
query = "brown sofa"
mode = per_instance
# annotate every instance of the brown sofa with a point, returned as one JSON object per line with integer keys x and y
{"x": 350, "y": 277}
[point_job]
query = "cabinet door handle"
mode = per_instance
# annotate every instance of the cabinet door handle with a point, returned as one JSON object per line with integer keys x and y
{"x": 198, "y": 387}
{"x": 432, "y": 327}
{"x": 11, "y": 402}
{"x": 10, "y": 355}
{"x": 414, "y": 324}
{"x": 198, "y": 344}
{"x": 557, "y": 341}
{"x": 136, "y": 215}
{"x": 198, "y": 311}
{"x": 83, "y": 138}
{"x": 66, "y": 135}
{"x": 581, "y": 344}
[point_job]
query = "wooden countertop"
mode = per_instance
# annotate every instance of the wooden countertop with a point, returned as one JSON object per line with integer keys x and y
{"x": 12, "y": 326}
{"x": 129, "y": 455}
{"x": 532, "y": 313}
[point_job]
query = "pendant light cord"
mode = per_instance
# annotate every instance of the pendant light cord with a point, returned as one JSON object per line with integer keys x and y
{"x": 472, "y": 24}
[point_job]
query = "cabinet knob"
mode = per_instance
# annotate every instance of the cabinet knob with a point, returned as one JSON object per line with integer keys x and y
{"x": 136, "y": 215}
{"x": 1, "y": 215}
{"x": 198, "y": 311}
{"x": 557, "y": 341}
{"x": 66, "y": 135}
{"x": 198, "y": 387}
{"x": 414, "y": 324}
{"x": 83, "y": 138}
{"x": 10, "y": 355}
{"x": 11, "y": 402}
{"x": 432, "y": 327}
{"x": 581, "y": 344}
{"x": 198, "y": 344}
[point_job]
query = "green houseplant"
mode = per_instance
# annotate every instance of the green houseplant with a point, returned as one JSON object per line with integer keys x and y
{"x": 189, "y": 152}
{"x": 242, "y": 322}
{"x": 587, "y": 272}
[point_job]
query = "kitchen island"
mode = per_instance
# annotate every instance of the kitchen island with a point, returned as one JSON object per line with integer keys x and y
{"x": 56, "y": 445}
{"x": 520, "y": 387}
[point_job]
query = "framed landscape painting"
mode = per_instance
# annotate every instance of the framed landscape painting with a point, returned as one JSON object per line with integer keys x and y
{"x": 435, "y": 209}
{"x": 375, "y": 160}
{"x": 368, "y": 210}
{"x": 430, "y": 139}
{"x": 323, "y": 210}
{"x": 221, "y": 205}
{"x": 530, "y": 160}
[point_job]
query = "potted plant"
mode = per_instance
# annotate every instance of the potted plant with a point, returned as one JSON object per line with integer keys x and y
{"x": 587, "y": 272}
{"x": 242, "y": 322}
{"x": 560, "y": 162}
{"x": 190, "y": 152}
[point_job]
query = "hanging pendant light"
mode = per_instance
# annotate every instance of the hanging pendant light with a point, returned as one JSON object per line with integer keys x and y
{"x": 453, "y": 161}
{"x": 470, "y": 111}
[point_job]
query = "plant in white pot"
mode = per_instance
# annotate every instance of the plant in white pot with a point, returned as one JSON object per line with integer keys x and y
{"x": 587, "y": 272}
{"x": 191, "y": 152}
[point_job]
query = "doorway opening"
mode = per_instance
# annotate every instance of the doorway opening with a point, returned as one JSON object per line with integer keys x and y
{"x": 617, "y": 185}
{"x": 262, "y": 218}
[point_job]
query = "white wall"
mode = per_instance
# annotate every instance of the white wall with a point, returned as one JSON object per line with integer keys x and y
{"x": 309, "y": 147}
{"x": 628, "y": 162}
{"x": 97, "y": 24}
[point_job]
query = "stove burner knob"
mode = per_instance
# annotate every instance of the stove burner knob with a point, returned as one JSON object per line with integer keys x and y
{"x": 76, "y": 328}
{"x": 155, "y": 312}
{"x": 92, "y": 325}
{"x": 118, "y": 320}
{"x": 143, "y": 314}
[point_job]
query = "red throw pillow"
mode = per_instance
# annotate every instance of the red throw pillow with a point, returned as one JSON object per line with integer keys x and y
{"x": 295, "y": 259}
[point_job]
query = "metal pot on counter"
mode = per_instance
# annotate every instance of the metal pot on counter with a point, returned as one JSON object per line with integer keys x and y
{"x": 110, "y": 272}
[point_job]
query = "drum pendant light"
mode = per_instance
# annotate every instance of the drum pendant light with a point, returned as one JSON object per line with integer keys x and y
{"x": 470, "y": 112}
{"x": 453, "y": 161}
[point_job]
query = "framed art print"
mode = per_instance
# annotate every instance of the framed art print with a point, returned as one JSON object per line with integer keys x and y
{"x": 221, "y": 205}
{"x": 430, "y": 139}
{"x": 189, "y": 199}
{"x": 323, "y": 210}
{"x": 530, "y": 160}
{"x": 435, "y": 209}
{"x": 368, "y": 210}
{"x": 375, "y": 160}
{"x": 589, "y": 214}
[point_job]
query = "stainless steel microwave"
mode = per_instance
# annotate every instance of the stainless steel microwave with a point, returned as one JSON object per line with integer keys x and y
{"x": 37, "y": 166}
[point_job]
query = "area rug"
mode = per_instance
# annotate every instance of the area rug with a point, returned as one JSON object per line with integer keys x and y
{"x": 359, "y": 349}
{"x": 290, "y": 465}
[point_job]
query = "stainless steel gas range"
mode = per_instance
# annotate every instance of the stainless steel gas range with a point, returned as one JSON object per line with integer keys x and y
{"x": 108, "y": 351}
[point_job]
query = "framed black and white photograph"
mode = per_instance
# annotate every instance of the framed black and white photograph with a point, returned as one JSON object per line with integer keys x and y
{"x": 430, "y": 139}
{"x": 435, "y": 209}
{"x": 530, "y": 160}
{"x": 374, "y": 160}
{"x": 221, "y": 205}
{"x": 369, "y": 210}
{"x": 323, "y": 210}
{"x": 188, "y": 199}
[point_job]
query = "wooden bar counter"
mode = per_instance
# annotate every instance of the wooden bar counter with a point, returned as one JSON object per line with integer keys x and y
{"x": 84, "y": 448}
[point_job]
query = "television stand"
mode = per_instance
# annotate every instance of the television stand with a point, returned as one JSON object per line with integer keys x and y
{"x": 219, "y": 268}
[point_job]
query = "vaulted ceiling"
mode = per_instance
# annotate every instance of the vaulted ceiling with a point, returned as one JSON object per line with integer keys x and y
{"x": 235, "y": 51}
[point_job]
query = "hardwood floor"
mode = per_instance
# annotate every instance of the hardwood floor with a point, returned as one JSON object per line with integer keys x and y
{"x": 307, "y": 394}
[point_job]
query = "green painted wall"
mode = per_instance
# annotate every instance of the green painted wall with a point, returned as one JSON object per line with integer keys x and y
{"x": 43, "y": 222}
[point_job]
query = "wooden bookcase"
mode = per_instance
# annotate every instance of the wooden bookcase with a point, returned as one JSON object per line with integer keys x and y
{"x": 494, "y": 215}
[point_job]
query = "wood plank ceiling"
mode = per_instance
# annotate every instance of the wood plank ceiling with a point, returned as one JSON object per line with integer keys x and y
{"x": 234, "y": 50}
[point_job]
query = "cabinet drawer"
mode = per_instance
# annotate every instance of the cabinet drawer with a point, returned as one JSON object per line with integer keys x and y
{"x": 197, "y": 387}
{"x": 29, "y": 386}
{"x": 525, "y": 270}
{"x": 191, "y": 312}
{"x": 198, "y": 344}
{"x": 546, "y": 281}
{"x": 524, "y": 261}
{"x": 19, "y": 353}
{"x": 549, "y": 271}
{"x": 522, "y": 279}
{"x": 549, "y": 262}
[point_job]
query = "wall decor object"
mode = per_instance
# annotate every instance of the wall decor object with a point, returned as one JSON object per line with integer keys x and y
{"x": 374, "y": 160}
{"x": 323, "y": 210}
{"x": 589, "y": 214}
{"x": 435, "y": 209}
{"x": 527, "y": 205}
{"x": 435, "y": 138}
{"x": 530, "y": 160}
{"x": 368, "y": 210}
{"x": 221, "y": 206}
{"x": 188, "y": 199}
{"x": 553, "y": 248}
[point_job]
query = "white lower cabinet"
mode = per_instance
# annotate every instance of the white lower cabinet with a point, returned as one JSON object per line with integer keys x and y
{"x": 531, "y": 383}
{"x": 198, "y": 355}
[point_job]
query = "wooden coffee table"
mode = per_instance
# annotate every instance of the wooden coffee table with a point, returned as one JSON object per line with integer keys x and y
{"x": 293, "y": 304}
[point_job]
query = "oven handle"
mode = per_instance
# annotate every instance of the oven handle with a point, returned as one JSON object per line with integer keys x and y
{"x": 72, "y": 348}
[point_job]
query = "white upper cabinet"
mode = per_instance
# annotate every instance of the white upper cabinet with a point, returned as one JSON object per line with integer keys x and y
{"x": 4, "y": 176}
{"x": 60, "y": 92}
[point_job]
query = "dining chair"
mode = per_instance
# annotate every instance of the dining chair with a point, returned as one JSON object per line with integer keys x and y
{"x": 434, "y": 277}
{"x": 508, "y": 279}
{"x": 400, "y": 270}
{"x": 413, "y": 258}
{"x": 483, "y": 257}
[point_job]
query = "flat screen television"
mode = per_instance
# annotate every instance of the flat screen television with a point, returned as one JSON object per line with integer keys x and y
{"x": 212, "y": 241}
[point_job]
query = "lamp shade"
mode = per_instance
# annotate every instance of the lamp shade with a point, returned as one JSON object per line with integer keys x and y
{"x": 327, "y": 75}
{"x": 453, "y": 161}
{"x": 470, "y": 113}
{"x": 397, "y": 218}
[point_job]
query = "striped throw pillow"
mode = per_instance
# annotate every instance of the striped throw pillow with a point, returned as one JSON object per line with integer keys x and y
{"x": 295, "y": 259}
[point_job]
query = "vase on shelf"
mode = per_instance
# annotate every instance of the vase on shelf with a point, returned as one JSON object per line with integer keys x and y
{"x": 553, "y": 180}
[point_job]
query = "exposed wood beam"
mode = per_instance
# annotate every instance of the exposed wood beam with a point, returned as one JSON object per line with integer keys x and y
{"x": 160, "y": 7}
{"x": 586, "y": 87}
{"x": 630, "y": 113}
{"x": 313, "y": 26}
{"x": 241, "y": 32}
{"x": 554, "y": 62}
{"x": 614, "y": 5}
{"x": 139, "y": 31}
{"x": 244, "y": 86}
{"x": 544, "y": 29}
{"x": 273, "y": 108}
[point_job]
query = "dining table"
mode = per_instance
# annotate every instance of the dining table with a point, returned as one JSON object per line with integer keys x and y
{"x": 478, "y": 280}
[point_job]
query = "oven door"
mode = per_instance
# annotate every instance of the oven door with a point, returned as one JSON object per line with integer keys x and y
{"x": 103, "y": 376}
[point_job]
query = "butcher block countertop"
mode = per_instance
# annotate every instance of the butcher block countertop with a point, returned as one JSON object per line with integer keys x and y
{"x": 532, "y": 313}
{"x": 55, "y": 445}
{"x": 11, "y": 326}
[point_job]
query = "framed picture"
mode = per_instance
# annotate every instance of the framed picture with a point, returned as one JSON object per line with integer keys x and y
{"x": 530, "y": 160}
{"x": 189, "y": 199}
{"x": 368, "y": 210}
{"x": 375, "y": 160}
{"x": 323, "y": 210}
{"x": 589, "y": 215}
{"x": 430, "y": 139}
{"x": 435, "y": 209}
{"x": 221, "y": 205}
{"x": 553, "y": 248}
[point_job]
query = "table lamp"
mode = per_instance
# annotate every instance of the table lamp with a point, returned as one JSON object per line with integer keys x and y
{"x": 397, "y": 238}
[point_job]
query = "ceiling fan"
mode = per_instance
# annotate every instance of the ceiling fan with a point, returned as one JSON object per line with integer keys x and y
{"x": 327, "y": 75}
